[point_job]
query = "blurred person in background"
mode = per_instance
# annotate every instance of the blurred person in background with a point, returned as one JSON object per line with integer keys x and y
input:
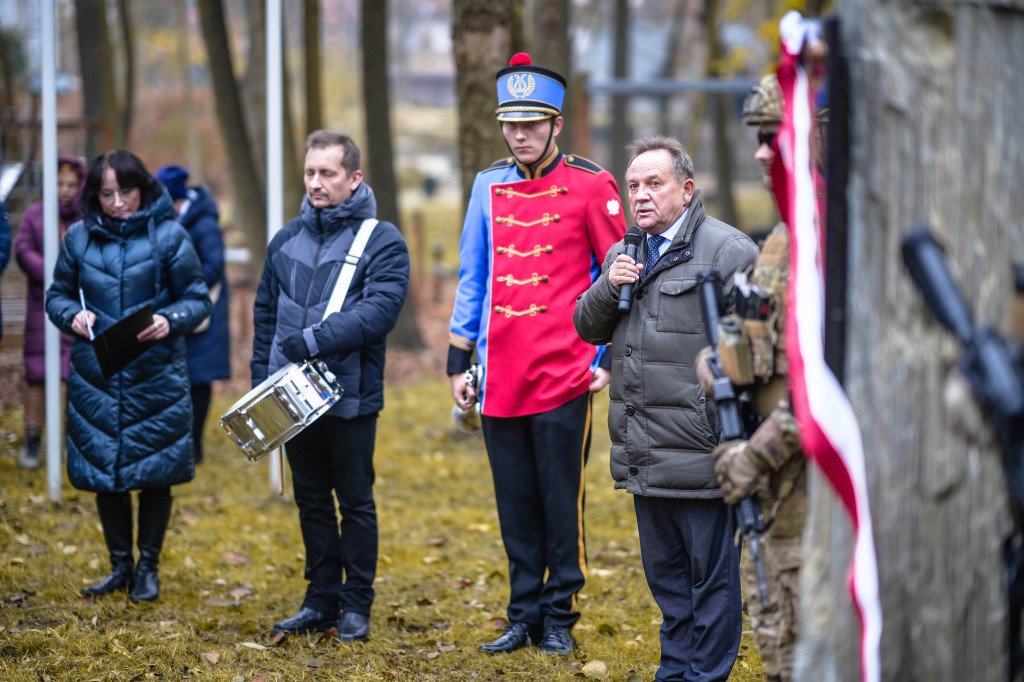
{"x": 207, "y": 347}
{"x": 132, "y": 431}
{"x": 28, "y": 249}
{"x": 5, "y": 246}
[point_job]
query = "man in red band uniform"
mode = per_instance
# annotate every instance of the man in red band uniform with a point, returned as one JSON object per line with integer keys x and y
{"x": 537, "y": 227}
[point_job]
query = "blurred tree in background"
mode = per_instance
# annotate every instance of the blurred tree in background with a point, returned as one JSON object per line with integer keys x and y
{"x": 482, "y": 40}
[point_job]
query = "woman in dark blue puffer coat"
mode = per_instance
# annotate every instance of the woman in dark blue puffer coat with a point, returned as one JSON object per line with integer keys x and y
{"x": 132, "y": 431}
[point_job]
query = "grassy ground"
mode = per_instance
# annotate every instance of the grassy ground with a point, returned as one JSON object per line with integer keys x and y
{"x": 233, "y": 562}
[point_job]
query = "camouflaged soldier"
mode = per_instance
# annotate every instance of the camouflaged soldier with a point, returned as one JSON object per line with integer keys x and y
{"x": 770, "y": 463}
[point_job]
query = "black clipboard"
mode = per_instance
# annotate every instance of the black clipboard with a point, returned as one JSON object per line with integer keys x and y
{"x": 118, "y": 345}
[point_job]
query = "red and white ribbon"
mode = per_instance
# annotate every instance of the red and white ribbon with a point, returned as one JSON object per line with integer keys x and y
{"x": 829, "y": 432}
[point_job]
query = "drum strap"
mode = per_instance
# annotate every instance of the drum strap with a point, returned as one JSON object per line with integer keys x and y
{"x": 355, "y": 252}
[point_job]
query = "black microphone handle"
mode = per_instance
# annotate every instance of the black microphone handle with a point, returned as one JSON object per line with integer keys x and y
{"x": 626, "y": 290}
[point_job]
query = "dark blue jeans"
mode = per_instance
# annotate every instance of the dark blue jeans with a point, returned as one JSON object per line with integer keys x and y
{"x": 334, "y": 456}
{"x": 693, "y": 569}
{"x": 537, "y": 462}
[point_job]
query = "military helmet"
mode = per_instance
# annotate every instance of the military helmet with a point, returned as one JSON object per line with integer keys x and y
{"x": 764, "y": 102}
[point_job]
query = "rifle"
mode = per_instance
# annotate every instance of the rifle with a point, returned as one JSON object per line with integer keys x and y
{"x": 748, "y": 511}
{"x": 995, "y": 371}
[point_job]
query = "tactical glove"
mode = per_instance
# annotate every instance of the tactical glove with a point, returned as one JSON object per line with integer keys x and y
{"x": 740, "y": 464}
{"x": 705, "y": 377}
{"x": 737, "y": 474}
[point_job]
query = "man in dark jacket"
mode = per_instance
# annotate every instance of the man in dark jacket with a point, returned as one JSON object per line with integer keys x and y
{"x": 208, "y": 345}
{"x": 335, "y": 453}
{"x": 662, "y": 426}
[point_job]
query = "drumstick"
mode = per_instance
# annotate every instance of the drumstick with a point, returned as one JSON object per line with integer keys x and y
{"x": 280, "y": 467}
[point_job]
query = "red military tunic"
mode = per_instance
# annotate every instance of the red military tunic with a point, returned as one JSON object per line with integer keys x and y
{"x": 547, "y": 239}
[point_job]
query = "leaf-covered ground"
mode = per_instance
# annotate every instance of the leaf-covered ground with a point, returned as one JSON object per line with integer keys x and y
{"x": 233, "y": 561}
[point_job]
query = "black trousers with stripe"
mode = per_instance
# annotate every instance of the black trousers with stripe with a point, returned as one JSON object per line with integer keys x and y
{"x": 537, "y": 462}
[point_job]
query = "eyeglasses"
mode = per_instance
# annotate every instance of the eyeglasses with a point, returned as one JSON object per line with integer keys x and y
{"x": 125, "y": 194}
{"x": 764, "y": 137}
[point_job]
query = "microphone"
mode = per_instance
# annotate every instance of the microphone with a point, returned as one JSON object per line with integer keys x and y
{"x": 632, "y": 239}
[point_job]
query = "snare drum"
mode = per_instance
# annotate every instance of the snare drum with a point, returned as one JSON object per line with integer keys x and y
{"x": 283, "y": 405}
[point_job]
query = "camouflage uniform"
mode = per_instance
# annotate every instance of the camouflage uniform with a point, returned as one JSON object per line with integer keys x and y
{"x": 775, "y": 449}
{"x": 770, "y": 462}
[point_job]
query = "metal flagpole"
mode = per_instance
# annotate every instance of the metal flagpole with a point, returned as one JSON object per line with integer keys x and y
{"x": 51, "y": 237}
{"x": 275, "y": 172}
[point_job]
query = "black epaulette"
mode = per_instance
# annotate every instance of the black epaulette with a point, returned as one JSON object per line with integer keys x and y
{"x": 501, "y": 163}
{"x": 581, "y": 163}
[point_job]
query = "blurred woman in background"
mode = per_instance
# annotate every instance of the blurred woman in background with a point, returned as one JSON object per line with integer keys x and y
{"x": 28, "y": 249}
{"x": 132, "y": 431}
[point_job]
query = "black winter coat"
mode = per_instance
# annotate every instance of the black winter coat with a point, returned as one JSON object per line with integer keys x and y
{"x": 133, "y": 431}
{"x": 303, "y": 262}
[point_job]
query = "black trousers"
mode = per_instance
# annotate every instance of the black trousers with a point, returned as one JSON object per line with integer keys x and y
{"x": 537, "y": 463}
{"x": 200, "y": 407}
{"x": 693, "y": 569}
{"x": 334, "y": 457}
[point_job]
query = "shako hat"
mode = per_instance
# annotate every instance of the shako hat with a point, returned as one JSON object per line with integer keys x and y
{"x": 527, "y": 92}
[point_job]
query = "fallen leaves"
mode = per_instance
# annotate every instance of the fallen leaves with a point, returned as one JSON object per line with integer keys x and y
{"x": 277, "y": 639}
{"x": 235, "y": 558}
{"x": 19, "y": 596}
{"x": 233, "y": 562}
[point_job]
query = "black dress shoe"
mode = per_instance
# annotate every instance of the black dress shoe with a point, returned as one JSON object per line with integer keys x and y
{"x": 557, "y": 640}
{"x": 355, "y": 627}
{"x": 516, "y": 636}
{"x": 308, "y": 620}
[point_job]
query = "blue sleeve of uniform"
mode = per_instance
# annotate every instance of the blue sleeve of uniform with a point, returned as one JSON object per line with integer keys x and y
{"x": 474, "y": 273}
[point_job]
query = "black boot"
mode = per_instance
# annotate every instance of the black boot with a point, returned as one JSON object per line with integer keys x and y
{"x": 154, "y": 513}
{"x": 116, "y": 517}
{"x": 29, "y": 458}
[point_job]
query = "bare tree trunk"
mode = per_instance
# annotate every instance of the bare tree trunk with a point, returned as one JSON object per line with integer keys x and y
{"x": 128, "y": 39}
{"x": 932, "y": 102}
{"x": 187, "y": 109}
{"x": 481, "y": 35}
{"x": 250, "y": 209}
{"x": 553, "y": 49}
{"x": 8, "y": 98}
{"x": 254, "y": 86}
{"x": 294, "y": 187}
{"x": 517, "y": 26}
{"x": 813, "y": 8}
{"x": 621, "y": 133}
{"x": 668, "y": 69}
{"x": 381, "y": 167}
{"x": 311, "y": 32}
{"x": 725, "y": 200}
{"x": 709, "y": 17}
{"x": 96, "y": 65}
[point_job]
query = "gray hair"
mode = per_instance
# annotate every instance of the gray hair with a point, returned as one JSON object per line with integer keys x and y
{"x": 682, "y": 164}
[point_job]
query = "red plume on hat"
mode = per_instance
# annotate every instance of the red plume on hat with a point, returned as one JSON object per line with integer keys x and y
{"x": 520, "y": 59}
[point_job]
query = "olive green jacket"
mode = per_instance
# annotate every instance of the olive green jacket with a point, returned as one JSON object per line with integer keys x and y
{"x": 663, "y": 428}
